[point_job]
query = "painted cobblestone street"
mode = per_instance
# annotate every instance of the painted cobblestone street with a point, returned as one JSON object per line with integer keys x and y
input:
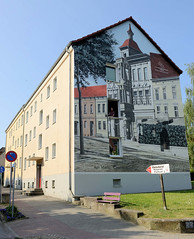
{"x": 52, "y": 218}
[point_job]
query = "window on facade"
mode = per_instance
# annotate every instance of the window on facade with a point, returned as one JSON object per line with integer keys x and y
{"x": 22, "y": 120}
{"x": 133, "y": 75}
{"x": 33, "y": 162}
{"x": 104, "y": 125}
{"x": 47, "y": 122}
{"x": 85, "y": 109}
{"x": 158, "y": 109}
{"x": 91, "y": 108}
{"x": 13, "y": 141}
{"x": 103, "y": 108}
{"x": 174, "y": 92}
{"x": 24, "y": 163}
{"x": 85, "y": 124}
{"x": 55, "y": 84}
{"x": 40, "y": 117}
{"x": 53, "y": 150}
{"x": 76, "y": 109}
{"x": 157, "y": 94}
{"x": 147, "y": 92}
{"x": 139, "y": 74}
{"x": 46, "y": 184}
{"x": 53, "y": 183}
{"x": 54, "y": 116}
{"x": 41, "y": 96}
{"x": 140, "y": 93}
{"x": 30, "y": 135}
{"x": 35, "y": 106}
{"x": 145, "y": 72}
{"x": 18, "y": 123}
{"x": 40, "y": 141}
{"x": 48, "y": 91}
{"x": 34, "y": 132}
{"x": 98, "y": 108}
{"x": 32, "y": 184}
{"x": 21, "y": 140}
{"x": 18, "y": 142}
{"x": 31, "y": 110}
{"x": 176, "y": 112}
{"x": 26, "y": 139}
{"x": 99, "y": 124}
{"x": 166, "y": 109}
{"x": 46, "y": 153}
{"x": 164, "y": 93}
{"x": 26, "y": 117}
{"x": 20, "y": 162}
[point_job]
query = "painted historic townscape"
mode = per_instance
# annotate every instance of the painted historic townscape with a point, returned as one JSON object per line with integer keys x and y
{"x": 128, "y": 111}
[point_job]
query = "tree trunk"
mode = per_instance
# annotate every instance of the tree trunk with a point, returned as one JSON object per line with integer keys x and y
{"x": 80, "y": 118}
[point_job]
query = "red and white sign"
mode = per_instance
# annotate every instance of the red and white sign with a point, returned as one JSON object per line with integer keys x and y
{"x": 159, "y": 169}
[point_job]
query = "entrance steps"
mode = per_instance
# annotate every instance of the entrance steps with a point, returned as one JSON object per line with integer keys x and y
{"x": 34, "y": 192}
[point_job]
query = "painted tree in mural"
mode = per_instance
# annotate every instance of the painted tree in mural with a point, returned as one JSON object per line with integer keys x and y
{"x": 189, "y": 115}
{"x": 91, "y": 56}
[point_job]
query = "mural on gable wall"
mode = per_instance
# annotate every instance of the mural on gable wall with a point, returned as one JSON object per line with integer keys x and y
{"x": 128, "y": 111}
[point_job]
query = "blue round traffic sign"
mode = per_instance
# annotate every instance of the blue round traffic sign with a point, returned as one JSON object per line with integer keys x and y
{"x": 11, "y": 156}
{"x": 2, "y": 169}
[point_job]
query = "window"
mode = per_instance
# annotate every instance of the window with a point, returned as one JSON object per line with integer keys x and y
{"x": 104, "y": 124}
{"x": 29, "y": 161}
{"x": 85, "y": 109}
{"x": 53, "y": 183}
{"x": 31, "y": 110}
{"x": 164, "y": 93}
{"x": 18, "y": 142}
{"x": 24, "y": 163}
{"x": 76, "y": 109}
{"x": 28, "y": 184}
{"x": 41, "y": 96}
{"x": 53, "y": 150}
{"x": 40, "y": 117}
{"x": 157, "y": 94}
{"x": 54, "y": 116}
{"x": 48, "y": 91}
{"x": 35, "y": 106}
{"x": 158, "y": 109}
{"x": 40, "y": 141}
{"x": 24, "y": 185}
{"x": 99, "y": 124}
{"x": 22, "y": 120}
{"x": 85, "y": 124}
{"x": 139, "y": 74}
{"x": 55, "y": 84}
{"x": 176, "y": 112}
{"x": 133, "y": 75}
{"x": 21, "y": 139}
{"x": 33, "y": 162}
{"x": 32, "y": 184}
{"x": 46, "y": 184}
{"x": 166, "y": 109}
{"x": 98, "y": 108}
{"x": 20, "y": 162}
{"x": 34, "y": 132}
{"x": 145, "y": 73}
{"x": 26, "y": 117}
{"x": 103, "y": 108}
{"x": 117, "y": 183}
{"x": 13, "y": 141}
{"x": 147, "y": 92}
{"x": 174, "y": 92}
{"x": 46, "y": 153}
{"x": 47, "y": 122}
{"x": 18, "y": 123}
{"x": 30, "y": 135}
{"x": 26, "y": 139}
{"x": 91, "y": 108}
{"x": 140, "y": 93}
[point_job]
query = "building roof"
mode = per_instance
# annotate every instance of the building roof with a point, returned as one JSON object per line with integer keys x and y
{"x": 91, "y": 91}
{"x": 131, "y": 43}
{"x": 74, "y": 42}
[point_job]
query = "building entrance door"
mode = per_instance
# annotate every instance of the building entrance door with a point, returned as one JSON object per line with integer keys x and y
{"x": 91, "y": 128}
{"x": 38, "y": 177}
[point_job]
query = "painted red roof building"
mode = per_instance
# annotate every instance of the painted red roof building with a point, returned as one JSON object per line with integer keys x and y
{"x": 91, "y": 91}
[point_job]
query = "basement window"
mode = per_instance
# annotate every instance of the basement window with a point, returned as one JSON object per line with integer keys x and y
{"x": 117, "y": 183}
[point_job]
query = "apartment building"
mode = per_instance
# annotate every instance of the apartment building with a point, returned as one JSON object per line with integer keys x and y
{"x": 126, "y": 92}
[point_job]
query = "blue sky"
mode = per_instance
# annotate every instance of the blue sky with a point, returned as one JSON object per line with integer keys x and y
{"x": 35, "y": 32}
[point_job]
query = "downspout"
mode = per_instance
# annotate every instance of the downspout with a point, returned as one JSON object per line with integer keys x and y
{"x": 70, "y": 182}
{"x": 22, "y": 161}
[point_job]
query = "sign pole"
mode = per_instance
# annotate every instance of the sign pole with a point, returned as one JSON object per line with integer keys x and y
{"x": 10, "y": 184}
{"x": 13, "y": 191}
{"x": 163, "y": 192}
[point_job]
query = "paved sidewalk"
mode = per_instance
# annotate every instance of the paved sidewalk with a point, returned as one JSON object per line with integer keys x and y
{"x": 53, "y": 218}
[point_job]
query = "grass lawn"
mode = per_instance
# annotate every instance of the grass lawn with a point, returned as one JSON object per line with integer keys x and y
{"x": 180, "y": 204}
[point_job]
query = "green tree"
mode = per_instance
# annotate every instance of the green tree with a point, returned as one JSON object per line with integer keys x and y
{"x": 189, "y": 115}
{"x": 91, "y": 56}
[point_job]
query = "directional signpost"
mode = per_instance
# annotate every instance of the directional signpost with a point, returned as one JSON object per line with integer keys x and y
{"x": 11, "y": 156}
{"x": 2, "y": 169}
{"x": 160, "y": 169}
